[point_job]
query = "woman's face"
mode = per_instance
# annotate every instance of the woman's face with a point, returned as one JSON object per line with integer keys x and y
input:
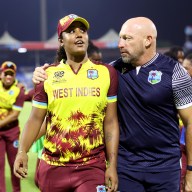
{"x": 75, "y": 40}
{"x": 7, "y": 78}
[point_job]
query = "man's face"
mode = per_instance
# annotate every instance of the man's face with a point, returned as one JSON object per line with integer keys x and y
{"x": 7, "y": 78}
{"x": 130, "y": 44}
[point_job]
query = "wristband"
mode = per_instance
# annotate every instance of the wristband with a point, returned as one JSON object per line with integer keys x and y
{"x": 189, "y": 167}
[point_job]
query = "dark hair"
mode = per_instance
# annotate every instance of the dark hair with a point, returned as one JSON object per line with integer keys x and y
{"x": 61, "y": 54}
{"x": 189, "y": 56}
{"x": 173, "y": 52}
{"x": 92, "y": 49}
{"x": 168, "y": 53}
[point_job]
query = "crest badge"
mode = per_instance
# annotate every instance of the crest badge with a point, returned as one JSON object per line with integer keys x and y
{"x": 101, "y": 188}
{"x": 92, "y": 74}
{"x": 11, "y": 92}
{"x": 16, "y": 144}
{"x": 154, "y": 77}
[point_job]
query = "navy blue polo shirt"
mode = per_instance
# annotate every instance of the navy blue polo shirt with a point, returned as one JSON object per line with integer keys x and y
{"x": 148, "y": 99}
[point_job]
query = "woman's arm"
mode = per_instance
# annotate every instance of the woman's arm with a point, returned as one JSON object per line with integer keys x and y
{"x": 42, "y": 130}
{"x": 29, "y": 134}
{"x": 111, "y": 132}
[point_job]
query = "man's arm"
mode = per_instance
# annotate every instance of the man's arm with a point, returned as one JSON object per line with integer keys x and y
{"x": 111, "y": 133}
{"x": 39, "y": 74}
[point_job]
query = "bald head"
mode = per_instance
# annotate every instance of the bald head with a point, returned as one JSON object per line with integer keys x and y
{"x": 141, "y": 25}
{"x": 138, "y": 39}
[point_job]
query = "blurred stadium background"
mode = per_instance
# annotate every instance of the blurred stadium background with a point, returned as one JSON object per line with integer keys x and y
{"x": 28, "y": 33}
{"x": 29, "y": 54}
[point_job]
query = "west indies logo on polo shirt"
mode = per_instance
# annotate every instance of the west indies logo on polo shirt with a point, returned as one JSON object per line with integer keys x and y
{"x": 154, "y": 77}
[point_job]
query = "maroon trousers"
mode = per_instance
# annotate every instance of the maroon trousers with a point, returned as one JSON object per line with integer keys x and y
{"x": 87, "y": 178}
{"x": 9, "y": 145}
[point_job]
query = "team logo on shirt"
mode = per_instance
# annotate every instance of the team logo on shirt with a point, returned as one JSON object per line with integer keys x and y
{"x": 101, "y": 188}
{"x": 154, "y": 77}
{"x": 92, "y": 74}
{"x": 11, "y": 92}
{"x": 58, "y": 74}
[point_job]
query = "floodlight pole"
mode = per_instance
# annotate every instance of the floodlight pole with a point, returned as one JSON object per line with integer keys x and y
{"x": 43, "y": 28}
{"x": 43, "y": 23}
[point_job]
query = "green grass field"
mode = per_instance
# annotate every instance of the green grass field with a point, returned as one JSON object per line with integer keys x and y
{"x": 27, "y": 185}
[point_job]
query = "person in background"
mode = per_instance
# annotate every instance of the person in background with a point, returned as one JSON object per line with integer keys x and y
{"x": 176, "y": 53}
{"x": 11, "y": 104}
{"x": 187, "y": 64}
{"x": 94, "y": 53}
{"x": 38, "y": 144}
{"x": 152, "y": 90}
{"x": 82, "y": 127}
{"x": 29, "y": 94}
